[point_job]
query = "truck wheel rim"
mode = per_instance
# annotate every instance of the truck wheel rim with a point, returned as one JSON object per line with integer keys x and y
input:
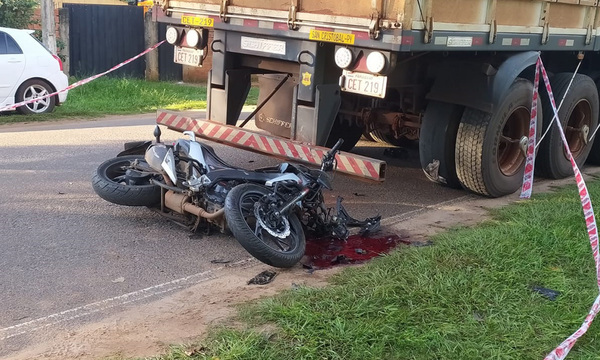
{"x": 510, "y": 155}
{"x": 577, "y": 128}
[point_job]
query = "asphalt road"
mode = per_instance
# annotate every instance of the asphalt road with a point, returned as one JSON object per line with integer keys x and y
{"x": 68, "y": 256}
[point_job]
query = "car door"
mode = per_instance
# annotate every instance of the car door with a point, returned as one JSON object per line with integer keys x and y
{"x": 12, "y": 64}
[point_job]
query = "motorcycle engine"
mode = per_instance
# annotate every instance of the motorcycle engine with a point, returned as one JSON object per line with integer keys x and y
{"x": 218, "y": 192}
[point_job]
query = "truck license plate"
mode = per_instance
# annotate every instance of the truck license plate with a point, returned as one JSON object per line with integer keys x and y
{"x": 187, "y": 56}
{"x": 365, "y": 84}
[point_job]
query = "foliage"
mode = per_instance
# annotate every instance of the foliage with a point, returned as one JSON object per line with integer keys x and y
{"x": 113, "y": 96}
{"x": 472, "y": 295}
{"x": 17, "y": 13}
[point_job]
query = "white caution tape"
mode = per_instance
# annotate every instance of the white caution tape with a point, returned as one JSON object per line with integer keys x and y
{"x": 81, "y": 82}
{"x": 586, "y": 203}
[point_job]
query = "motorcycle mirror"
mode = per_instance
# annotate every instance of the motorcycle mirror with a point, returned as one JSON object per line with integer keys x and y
{"x": 157, "y": 133}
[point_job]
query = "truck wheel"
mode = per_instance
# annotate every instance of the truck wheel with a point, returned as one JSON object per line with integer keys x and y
{"x": 345, "y": 126}
{"x": 489, "y": 156}
{"x": 579, "y": 118}
{"x": 350, "y": 133}
{"x": 594, "y": 155}
{"x": 438, "y": 140}
{"x": 385, "y": 138}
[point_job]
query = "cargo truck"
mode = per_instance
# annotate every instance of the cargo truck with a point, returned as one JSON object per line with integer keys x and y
{"x": 454, "y": 75}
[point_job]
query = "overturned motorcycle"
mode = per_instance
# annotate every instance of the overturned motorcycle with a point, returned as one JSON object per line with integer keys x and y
{"x": 267, "y": 210}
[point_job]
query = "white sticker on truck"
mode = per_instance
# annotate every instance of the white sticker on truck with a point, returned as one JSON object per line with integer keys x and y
{"x": 263, "y": 45}
{"x": 460, "y": 41}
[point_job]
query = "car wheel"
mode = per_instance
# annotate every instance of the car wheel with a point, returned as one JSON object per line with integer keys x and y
{"x": 33, "y": 89}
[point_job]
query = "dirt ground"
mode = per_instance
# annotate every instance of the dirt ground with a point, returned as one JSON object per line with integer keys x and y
{"x": 148, "y": 329}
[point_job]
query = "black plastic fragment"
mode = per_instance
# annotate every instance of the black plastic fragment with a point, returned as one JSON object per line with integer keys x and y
{"x": 263, "y": 278}
{"x": 547, "y": 293}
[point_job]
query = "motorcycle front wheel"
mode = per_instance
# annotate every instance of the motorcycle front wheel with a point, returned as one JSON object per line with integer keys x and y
{"x": 241, "y": 219}
{"x": 113, "y": 183}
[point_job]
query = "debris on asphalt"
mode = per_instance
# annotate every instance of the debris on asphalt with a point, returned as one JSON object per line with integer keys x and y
{"x": 220, "y": 261}
{"x": 263, "y": 278}
{"x": 547, "y": 293}
{"x": 398, "y": 153}
{"x": 359, "y": 194}
{"x": 119, "y": 280}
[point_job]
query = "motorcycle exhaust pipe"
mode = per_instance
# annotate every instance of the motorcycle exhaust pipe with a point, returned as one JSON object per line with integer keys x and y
{"x": 180, "y": 203}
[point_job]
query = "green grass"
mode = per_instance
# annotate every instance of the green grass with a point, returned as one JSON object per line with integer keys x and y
{"x": 116, "y": 96}
{"x": 469, "y": 296}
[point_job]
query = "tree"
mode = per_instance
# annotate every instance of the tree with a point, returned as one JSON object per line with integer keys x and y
{"x": 17, "y": 13}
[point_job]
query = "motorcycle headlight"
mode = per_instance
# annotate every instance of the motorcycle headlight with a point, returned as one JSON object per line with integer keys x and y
{"x": 376, "y": 62}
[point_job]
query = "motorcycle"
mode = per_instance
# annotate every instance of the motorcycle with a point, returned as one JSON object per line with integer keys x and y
{"x": 267, "y": 210}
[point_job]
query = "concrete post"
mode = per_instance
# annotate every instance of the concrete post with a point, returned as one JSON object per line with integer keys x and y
{"x": 63, "y": 33}
{"x": 151, "y": 38}
{"x": 48, "y": 25}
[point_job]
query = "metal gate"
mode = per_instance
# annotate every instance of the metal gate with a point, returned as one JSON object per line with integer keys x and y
{"x": 101, "y": 36}
{"x": 167, "y": 69}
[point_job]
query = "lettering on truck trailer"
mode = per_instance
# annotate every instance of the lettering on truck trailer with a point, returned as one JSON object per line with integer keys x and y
{"x": 263, "y": 45}
{"x": 330, "y": 36}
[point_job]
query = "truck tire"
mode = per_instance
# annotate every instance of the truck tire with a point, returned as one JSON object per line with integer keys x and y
{"x": 579, "y": 118}
{"x": 594, "y": 155}
{"x": 351, "y": 133}
{"x": 345, "y": 126}
{"x": 489, "y": 159}
{"x": 109, "y": 184}
{"x": 438, "y": 141}
{"x": 385, "y": 138}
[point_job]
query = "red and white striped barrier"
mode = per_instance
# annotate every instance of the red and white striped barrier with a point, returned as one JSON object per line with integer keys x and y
{"x": 563, "y": 349}
{"x": 348, "y": 163}
{"x": 81, "y": 82}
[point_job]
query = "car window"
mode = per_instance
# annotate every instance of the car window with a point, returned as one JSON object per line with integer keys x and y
{"x": 8, "y": 45}
{"x": 11, "y": 46}
{"x": 2, "y": 43}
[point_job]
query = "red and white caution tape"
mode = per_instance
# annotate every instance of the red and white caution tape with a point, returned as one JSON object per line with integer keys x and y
{"x": 81, "y": 82}
{"x": 590, "y": 220}
{"x": 563, "y": 349}
{"x": 528, "y": 175}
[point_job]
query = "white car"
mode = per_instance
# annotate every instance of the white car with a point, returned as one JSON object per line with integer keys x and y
{"x": 28, "y": 71}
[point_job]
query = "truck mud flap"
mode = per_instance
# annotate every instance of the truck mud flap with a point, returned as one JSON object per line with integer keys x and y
{"x": 347, "y": 163}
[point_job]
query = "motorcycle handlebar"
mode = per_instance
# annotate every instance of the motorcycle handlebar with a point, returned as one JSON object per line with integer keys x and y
{"x": 327, "y": 162}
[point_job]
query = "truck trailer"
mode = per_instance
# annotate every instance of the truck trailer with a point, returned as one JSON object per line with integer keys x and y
{"x": 454, "y": 75}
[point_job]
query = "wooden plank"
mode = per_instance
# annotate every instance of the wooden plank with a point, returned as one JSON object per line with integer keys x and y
{"x": 567, "y": 16}
{"x": 261, "y": 4}
{"x": 518, "y": 12}
{"x": 362, "y": 8}
{"x": 460, "y": 11}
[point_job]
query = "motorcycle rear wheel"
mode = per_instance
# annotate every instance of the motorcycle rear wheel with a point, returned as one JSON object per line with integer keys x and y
{"x": 241, "y": 220}
{"x": 110, "y": 184}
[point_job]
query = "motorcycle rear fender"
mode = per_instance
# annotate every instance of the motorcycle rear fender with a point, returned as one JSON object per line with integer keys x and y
{"x": 284, "y": 177}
